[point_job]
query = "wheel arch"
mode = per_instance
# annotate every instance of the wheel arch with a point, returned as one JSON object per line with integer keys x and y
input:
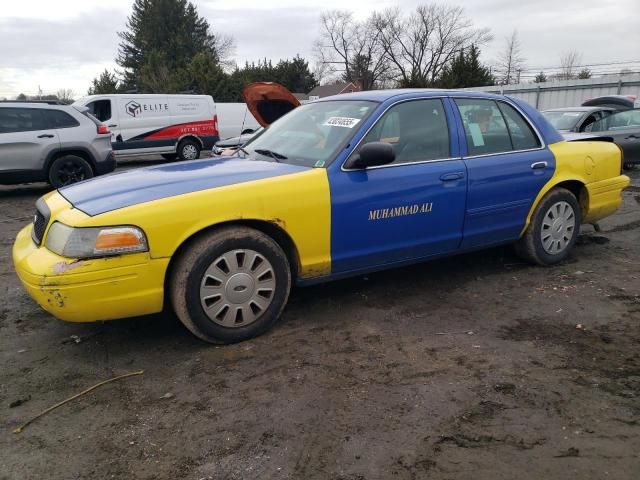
{"x": 574, "y": 185}
{"x": 269, "y": 228}
{"x": 190, "y": 136}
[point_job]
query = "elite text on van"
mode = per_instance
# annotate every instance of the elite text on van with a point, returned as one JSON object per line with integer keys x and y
{"x": 171, "y": 125}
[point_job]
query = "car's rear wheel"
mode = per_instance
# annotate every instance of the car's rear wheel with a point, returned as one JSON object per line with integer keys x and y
{"x": 230, "y": 285}
{"x": 188, "y": 150}
{"x": 69, "y": 169}
{"x": 553, "y": 230}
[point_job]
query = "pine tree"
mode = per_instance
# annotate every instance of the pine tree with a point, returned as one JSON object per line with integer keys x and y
{"x": 162, "y": 37}
{"x": 540, "y": 78}
{"x": 105, "y": 83}
{"x": 465, "y": 70}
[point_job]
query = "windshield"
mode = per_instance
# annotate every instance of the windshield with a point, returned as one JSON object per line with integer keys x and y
{"x": 566, "y": 120}
{"x": 618, "y": 121}
{"x": 312, "y": 134}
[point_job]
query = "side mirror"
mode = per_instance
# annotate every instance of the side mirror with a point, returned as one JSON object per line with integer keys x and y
{"x": 247, "y": 131}
{"x": 372, "y": 154}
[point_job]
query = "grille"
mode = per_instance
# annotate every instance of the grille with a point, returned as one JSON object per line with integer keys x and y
{"x": 40, "y": 221}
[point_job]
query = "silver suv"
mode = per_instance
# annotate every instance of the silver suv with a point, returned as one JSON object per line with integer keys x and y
{"x": 59, "y": 144}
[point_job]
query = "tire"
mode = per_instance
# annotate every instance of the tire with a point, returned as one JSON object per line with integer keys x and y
{"x": 553, "y": 230}
{"x": 169, "y": 156}
{"x": 68, "y": 169}
{"x": 200, "y": 288}
{"x": 188, "y": 150}
{"x": 628, "y": 166}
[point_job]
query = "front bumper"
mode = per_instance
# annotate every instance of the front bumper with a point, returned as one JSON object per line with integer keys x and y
{"x": 90, "y": 290}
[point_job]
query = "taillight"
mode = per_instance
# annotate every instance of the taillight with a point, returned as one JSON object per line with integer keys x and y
{"x": 102, "y": 128}
{"x": 215, "y": 124}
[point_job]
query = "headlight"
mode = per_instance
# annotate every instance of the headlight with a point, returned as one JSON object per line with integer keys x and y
{"x": 73, "y": 242}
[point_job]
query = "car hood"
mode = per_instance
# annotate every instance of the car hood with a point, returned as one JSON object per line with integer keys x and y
{"x": 268, "y": 101}
{"x": 123, "y": 189}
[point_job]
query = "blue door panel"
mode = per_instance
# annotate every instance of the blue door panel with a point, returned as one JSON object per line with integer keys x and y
{"x": 501, "y": 191}
{"x": 387, "y": 215}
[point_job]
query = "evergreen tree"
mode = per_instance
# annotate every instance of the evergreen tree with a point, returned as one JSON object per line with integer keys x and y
{"x": 465, "y": 70}
{"x": 103, "y": 84}
{"x": 584, "y": 73}
{"x": 540, "y": 78}
{"x": 162, "y": 37}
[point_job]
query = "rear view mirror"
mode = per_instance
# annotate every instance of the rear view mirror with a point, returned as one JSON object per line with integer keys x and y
{"x": 372, "y": 154}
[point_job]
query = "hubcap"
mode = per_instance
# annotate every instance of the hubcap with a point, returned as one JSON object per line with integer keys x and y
{"x": 237, "y": 288}
{"x": 189, "y": 152}
{"x": 558, "y": 228}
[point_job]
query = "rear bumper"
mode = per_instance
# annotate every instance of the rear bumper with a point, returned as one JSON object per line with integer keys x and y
{"x": 107, "y": 165}
{"x": 90, "y": 290}
{"x": 605, "y": 197}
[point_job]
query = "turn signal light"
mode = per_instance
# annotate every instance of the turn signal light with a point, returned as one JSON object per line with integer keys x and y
{"x": 118, "y": 239}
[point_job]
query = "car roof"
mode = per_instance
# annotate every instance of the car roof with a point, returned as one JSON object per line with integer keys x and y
{"x": 19, "y": 104}
{"x": 383, "y": 95}
{"x": 577, "y": 109}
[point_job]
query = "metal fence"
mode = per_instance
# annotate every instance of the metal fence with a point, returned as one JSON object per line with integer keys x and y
{"x": 568, "y": 93}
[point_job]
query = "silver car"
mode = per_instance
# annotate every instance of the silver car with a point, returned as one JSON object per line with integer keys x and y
{"x": 59, "y": 144}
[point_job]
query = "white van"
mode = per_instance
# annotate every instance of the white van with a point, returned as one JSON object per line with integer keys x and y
{"x": 171, "y": 125}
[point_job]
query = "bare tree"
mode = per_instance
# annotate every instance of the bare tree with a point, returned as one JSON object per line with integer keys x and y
{"x": 510, "y": 62}
{"x": 225, "y": 48}
{"x": 65, "y": 95}
{"x": 420, "y": 44}
{"x": 352, "y": 46}
{"x": 569, "y": 62}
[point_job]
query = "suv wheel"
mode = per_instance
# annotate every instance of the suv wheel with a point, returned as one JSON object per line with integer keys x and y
{"x": 188, "y": 150}
{"x": 69, "y": 169}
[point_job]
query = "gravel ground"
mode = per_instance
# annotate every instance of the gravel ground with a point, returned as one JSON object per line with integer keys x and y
{"x": 472, "y": 367}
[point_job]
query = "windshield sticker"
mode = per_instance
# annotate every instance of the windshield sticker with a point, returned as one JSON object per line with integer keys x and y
{"x": 319, "y": 164}
{"x": 341, "y": 122}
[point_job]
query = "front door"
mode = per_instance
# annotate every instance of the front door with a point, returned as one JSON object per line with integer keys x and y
{"x": 507, "y": 167}
{"x": 407, "y": 210}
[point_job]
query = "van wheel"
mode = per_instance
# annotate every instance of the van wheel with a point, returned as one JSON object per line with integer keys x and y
{"x": 553, "y": 230}
{"x": 69, "y": 169}
{"x": 188, "y": 150}
{"x": 230, "y": 285}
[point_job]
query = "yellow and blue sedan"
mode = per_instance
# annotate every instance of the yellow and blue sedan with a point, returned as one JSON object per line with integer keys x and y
{"x": 337, "y": 187}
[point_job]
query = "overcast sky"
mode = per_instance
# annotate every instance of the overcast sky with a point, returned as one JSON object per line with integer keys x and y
{"x": 65, "y": 44}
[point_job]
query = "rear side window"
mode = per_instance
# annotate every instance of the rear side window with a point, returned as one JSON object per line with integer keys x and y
{"x": 522, "y": 136}
{"x": 21, "y": 120}
{"x": 494, "y": 127}
{"x": 101, "y": 109}
{"x": 58, "y": 119}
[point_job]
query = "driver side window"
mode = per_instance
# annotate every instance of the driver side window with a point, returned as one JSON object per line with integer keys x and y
{"x": 417, "y": 130}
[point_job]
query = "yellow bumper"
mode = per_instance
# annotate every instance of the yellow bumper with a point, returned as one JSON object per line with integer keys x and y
{"x": 90, "y": 290}
{"x": 605, "y": 197}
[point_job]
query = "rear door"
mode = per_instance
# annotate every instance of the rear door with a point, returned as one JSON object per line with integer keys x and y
{"x": 507, "y": 165}
{"x": 26, "y": 139}
{"x": 410, "y": 209}
{"x": 624, "y": 128}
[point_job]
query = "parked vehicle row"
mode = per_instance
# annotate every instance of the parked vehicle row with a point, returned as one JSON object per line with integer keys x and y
{"x": 614, "y": 116}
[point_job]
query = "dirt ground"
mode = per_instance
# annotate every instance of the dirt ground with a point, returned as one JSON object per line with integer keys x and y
{"x": 473, "y": 367}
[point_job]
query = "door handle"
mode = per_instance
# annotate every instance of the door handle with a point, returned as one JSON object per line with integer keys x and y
{"x": 633, "y": 136}
{"x": 538, "y": 165}
{"x": 112, "y": 125}
{"x": 46, "y": 135}
{"x": 449, "y": 177}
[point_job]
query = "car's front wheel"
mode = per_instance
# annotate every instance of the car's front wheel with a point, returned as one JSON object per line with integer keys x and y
{"x": 69, "y": 169}
{"x": 553, "y": 230}
{"x": 230, "y": 285}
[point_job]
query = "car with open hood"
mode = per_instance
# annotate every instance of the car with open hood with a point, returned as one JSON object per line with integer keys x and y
{"x": 337, "y": 187}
